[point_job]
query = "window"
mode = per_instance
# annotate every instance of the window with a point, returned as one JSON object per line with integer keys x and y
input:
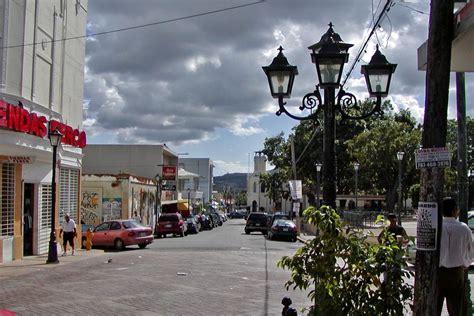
{"x": 68, "y": 192}
{"x": 255, "y": 187}
{"x": 7, "y": 201}
{"x": 115, "y": 226}
{"x": 102, "y": 227}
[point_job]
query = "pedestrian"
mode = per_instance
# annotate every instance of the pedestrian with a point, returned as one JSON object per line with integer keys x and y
{"x": 89, "y": 235}
{"x": 454, "y": 260}
{"x": 137, "y": 217}
{"x": 397, "y": 231}
{"x": 69, "y": 230}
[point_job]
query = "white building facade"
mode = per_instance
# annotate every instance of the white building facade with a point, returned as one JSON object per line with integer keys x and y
{"x": 257, "y": 198}
{"x": 41, "y": 90}
{"x": 204, "y": 167}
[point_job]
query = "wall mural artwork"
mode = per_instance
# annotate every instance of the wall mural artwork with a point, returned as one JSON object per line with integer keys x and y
{"x": 91, "y": 208}
{"x": 111, "y": 208}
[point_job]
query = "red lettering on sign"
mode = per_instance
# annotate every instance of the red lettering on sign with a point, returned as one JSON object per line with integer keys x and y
{"x": 24, "y": 121}
{"x": 18, "y": 119}
{"x": 14, "y": 117}
{"x": 42, "y": 131}
{"x": 3, "y": 114}
{"x": 34, "y": 124}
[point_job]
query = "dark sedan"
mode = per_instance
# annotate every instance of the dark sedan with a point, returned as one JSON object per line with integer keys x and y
{"x": 283, "y": 228}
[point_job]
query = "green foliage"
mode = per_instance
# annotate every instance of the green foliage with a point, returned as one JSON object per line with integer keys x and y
{"x": 345, "y": 272}
{"x": 273, "y": 183}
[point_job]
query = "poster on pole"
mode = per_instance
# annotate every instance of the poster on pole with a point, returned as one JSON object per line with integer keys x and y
{"x": 426, "y": 226}
{"x": 432, "y": 158}
{"x": 296, "y": 188}
{"x": 296, "y": 209}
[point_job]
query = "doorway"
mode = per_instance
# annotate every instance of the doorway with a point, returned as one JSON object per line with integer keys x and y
{"x": 28, "y": 222}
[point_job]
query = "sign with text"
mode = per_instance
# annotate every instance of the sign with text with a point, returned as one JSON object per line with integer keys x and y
{"x": 296, "y": 209}
{"x": 426, "y": 225}
{"x": 432, "y": 158}
{"x": 169, "y": 173}
{"x": 296, "y": 188}
{"x": 168, "y": 187}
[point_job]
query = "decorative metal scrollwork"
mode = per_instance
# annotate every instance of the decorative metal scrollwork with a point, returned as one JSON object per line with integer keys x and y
{"x": 311, "y": 101}
{"x": 350, "y": 108}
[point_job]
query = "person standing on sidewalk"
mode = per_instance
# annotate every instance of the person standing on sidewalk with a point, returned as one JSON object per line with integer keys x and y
{"x": 69, "y": 230}
{"x": 137, "y": 217}
{"x": 454, "y": 259}
{"x": 397, "y": 231}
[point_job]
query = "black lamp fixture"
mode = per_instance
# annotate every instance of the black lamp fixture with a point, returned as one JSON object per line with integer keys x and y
{"x": 55, "y": 140}
{"x": 378, "y": 74}
{"x": 329, "y": 55}
{"x": 280, "y": 76}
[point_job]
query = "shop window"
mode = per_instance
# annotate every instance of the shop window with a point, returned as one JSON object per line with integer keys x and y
{"x": 68, "y": 193}
{"x": 7, "y": 199}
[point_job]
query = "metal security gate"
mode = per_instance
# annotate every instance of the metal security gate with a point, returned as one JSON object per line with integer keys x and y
{"x": 7, "y": 199}
{"x": 68, "y": 193}
{"x": 45, "y": 203}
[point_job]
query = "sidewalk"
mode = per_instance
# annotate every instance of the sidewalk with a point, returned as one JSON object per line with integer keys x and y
{"x": 36, "y": 263}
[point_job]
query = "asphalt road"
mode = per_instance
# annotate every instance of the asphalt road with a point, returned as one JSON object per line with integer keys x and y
{"x": 218, "y": 272}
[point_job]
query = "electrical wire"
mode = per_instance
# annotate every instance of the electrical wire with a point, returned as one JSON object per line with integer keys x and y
{"x": 413, "y": 9}
{"x": 385, "y": 9}
{"x": 139, "y": 26}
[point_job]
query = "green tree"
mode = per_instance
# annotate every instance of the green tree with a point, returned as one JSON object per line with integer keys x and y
{"x": 273, "y": 184}
{"x": 345, "y": 271}
{"x": 376, "y": 151}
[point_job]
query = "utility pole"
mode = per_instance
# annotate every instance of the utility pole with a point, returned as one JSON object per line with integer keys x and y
{"x": 462, "y": 167}
{"x": 434, "y": 136}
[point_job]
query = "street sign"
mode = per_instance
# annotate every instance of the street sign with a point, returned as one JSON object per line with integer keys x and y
{"x": 169, "y": 173}
{"x": 432, "y": 158}
{"x": 168, "y": 187}
{"x": 426, "y": 225}
{"x": 296, "y": 188}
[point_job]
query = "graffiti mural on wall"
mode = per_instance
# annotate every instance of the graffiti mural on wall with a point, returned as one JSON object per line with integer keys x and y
{"x": 111, "y": 208}
{"x": 91, "y": 208}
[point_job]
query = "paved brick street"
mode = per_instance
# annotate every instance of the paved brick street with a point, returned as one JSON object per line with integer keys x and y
{"x": 218, "y": 272}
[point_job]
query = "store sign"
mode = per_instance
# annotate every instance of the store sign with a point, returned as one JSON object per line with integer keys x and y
{"x": 21, "y": 159}
{"x": 432, "y": 158}
{"x": 17, "y": 119}
{"x": 168, "y": 187}
{"x": 296, "y": 188}
{"x": 426, "y": 225}
{"x": 169, "y": 173}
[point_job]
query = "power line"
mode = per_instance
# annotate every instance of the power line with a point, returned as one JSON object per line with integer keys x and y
{"x": 385, "y": 9}
{"x": 411, "y": 8}
{"x": 140, "y": 26}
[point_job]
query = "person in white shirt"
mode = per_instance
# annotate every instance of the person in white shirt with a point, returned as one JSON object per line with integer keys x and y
{"x": 455, "y": 258}
{"x": 69, "y": 229}
{"x": 137, "y": 217}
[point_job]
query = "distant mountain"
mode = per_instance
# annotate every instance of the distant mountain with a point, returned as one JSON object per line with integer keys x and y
{"x": 237, "y": 181}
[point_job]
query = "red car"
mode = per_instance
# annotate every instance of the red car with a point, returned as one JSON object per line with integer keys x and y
{"x": 122, "y": 233}
{"x": 171, "y": 223}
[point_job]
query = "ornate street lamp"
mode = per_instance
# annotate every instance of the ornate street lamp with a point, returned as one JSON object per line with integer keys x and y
{"x": 356, "y": 169}
{"x": 318, "y": 185}
{"x": 55, "y": 140}
{"x": 329, "y": 56}
{"x": 189, "y": 191}
{"x": 400, "y": 155}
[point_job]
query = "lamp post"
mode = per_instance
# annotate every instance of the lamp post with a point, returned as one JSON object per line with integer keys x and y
{"x": 159, "y": 181}
{"x": 356, "y": 169}
{"x": 318, "y": 185}
{"x": 189, "y": 191}
{"x": 329, "y": 56}
{"x": 400, "y": 155}
{"x": 55, "y": 140}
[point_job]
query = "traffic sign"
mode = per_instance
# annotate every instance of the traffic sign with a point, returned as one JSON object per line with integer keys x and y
{"x": 432, "y": 158}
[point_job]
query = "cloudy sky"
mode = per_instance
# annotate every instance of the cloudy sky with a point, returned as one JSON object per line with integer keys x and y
{"x": 197, "y": 84}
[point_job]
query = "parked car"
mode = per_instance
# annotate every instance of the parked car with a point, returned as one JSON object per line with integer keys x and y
{"x": 122, "y": 233}
{"x": 470, "y": 220}
{"x": 273, "y": 217}
{"x": 84, "y": 228}
{"x": 214, "y": 219}
{"x": 283, "y": 228}
{"x": 256, "y": 222}
{"x": 192, "y": 225}
{"x": 206, "y": 222}
{"x": 236, "y": 214}
{"x": 170, "y": 223}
